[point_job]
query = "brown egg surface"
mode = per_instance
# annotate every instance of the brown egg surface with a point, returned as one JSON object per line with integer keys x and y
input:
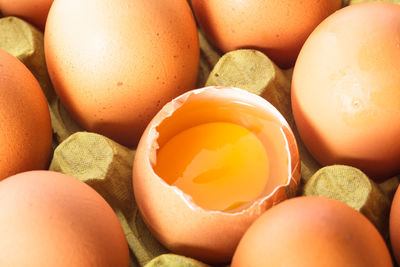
{"x": 33, "y": 11}
{"x": 25, "y": 127}
{"x": 115, "y": 63}
{"x": 276, "y": 27}
{"x": 312, "y": 231}
{"x": 345, "y": 89}
{"x": 394, "y": 223}
{"x": 52, "y": 219}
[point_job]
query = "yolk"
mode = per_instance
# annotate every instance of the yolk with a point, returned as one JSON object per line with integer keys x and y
{"x": 220, "y": 165}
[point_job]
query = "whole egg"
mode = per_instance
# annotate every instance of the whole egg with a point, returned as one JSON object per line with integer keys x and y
{"x": 25, "y": 127}
{"x": 345, "y": 89}
{"x": 52, "y": 219}
{"x": 115, "y": 63}
{"x": 312, "y": 231}
{"x": 276, "y": 27}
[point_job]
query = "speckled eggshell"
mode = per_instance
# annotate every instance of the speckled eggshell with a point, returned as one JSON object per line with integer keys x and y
{"x": 115, "y": 63}
{"x": 276, "y": 27}
{"x": 52, "y": 219}
{"x": 33, "y": 11}
{"x": 179, "y": 224}
{"x": 25, "y": 127}
{"x": 312, "y": 231}
{"x": 345, "y": 89}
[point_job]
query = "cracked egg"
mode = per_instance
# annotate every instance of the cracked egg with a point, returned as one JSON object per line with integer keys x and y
{"x": 208, "y": 164}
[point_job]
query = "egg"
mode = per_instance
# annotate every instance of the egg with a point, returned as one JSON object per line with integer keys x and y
{"x": 312, "y": 231}
{"x": 394, "y": 222}
{"x": 33, "y": 11}
{"x": 345, "y": 89}
{"x": 25, "y": 127}
{"x": 208, "y": 164}
{"x": 52, "y": 219}
{"x": 276, "y": 27}
{"x": 115, "y": 63}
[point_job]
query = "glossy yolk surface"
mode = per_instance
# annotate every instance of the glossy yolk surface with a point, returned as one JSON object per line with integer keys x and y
{"x": 220, "y": 165}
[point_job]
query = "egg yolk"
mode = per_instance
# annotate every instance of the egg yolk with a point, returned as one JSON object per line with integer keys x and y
{"x": 221, "y": 165}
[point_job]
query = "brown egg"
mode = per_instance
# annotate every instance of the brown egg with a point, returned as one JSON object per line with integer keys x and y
{"x": 115, "y": 63}
{"x": 52, "y": 219}
{"x": 206, "y": 217}
{"x": 33, "y": 11}
{"x": 276, "y": 27}
{"x": 345, "y": 89}
{"x": 25, "y": 127}
{"x": 394, "y": 222}
{"x": 312, "y": 231}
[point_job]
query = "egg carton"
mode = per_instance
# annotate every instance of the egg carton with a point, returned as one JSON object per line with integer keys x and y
{"x": 107, "y": 166}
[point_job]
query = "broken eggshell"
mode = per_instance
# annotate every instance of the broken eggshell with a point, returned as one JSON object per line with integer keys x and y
{"x": 174, "y": 219}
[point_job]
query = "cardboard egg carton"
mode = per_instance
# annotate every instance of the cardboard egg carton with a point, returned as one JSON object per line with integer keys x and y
{"x": 107, "y": 166}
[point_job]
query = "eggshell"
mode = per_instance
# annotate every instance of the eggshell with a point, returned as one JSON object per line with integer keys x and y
{"x": 394, "y": 222}
{"x": 52, "y": 219}
{"x": 179, "y": 224}
{"x": 312, "y": 231}
{"x": 115, "y": 63}
{"x": 33, "y": 11}
{"x": 276, "y": 27}
{"x": 25, "y": 128}
{"x": 345, "y": 89}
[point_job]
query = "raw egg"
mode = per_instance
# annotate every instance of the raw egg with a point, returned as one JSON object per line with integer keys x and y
{"x": 276, "y": 27}
{"x": 33, "y": 11}
{"x": 52, "y": 219}
{"x": 312, "y": 231}
{"x": 394, "y": 222}
{"x": 115, "y": 63}
{"x": 345, "y": 89}
{"x": 25, "y": 127}
{"x": 208, "y": 164}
